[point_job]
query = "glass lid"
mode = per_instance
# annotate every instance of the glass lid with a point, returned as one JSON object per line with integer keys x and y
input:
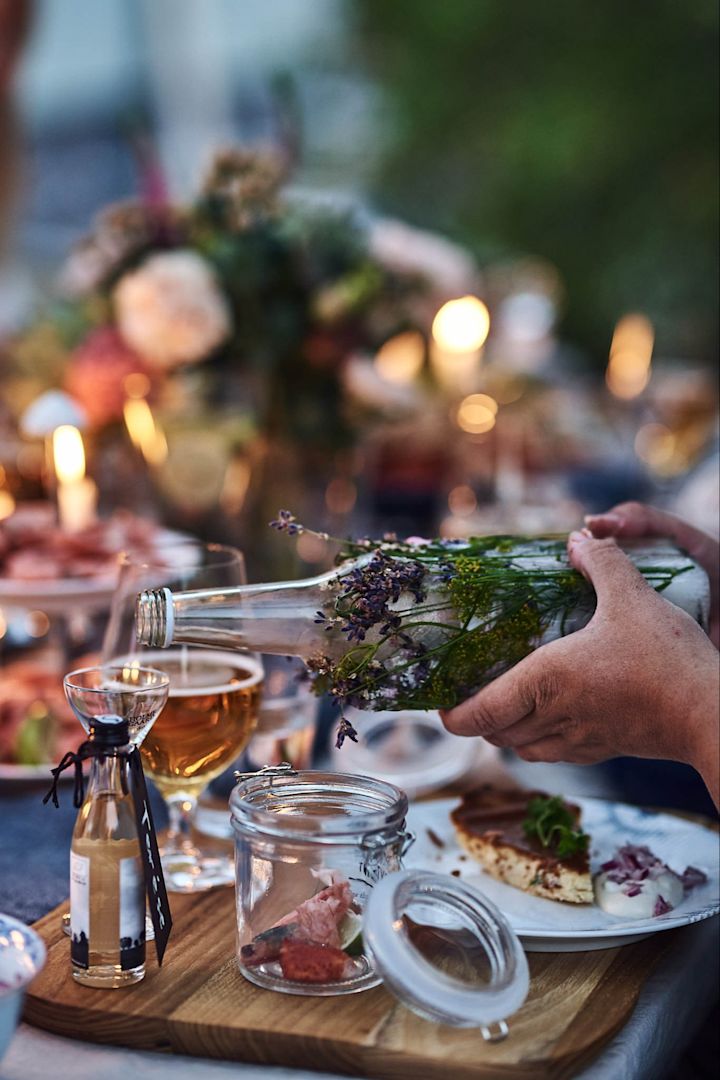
{"x": 445, "y": 951}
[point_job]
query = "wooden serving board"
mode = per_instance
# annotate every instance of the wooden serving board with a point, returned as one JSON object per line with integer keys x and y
{"x": 200, "y": 1004}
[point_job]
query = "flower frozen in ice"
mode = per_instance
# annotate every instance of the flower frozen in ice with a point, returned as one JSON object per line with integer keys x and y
{"x": 171, "y": 309}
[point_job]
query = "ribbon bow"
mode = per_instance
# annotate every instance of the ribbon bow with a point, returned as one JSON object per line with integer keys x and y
{"x": 76, "y": 758}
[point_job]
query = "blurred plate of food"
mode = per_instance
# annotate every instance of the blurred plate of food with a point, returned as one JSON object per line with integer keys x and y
{"x": 43, "y": 566}
{"x": 409, "y": 748}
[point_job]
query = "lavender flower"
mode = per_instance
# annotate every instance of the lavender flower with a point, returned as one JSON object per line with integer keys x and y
{"x": 368, "y": 590}
{"x": 345, "y": 731}
{"x": 287, "y": 522}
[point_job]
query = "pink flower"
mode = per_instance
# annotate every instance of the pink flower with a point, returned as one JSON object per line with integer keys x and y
{"x": 172, "y": 310}
{"x": 96, "y": 373}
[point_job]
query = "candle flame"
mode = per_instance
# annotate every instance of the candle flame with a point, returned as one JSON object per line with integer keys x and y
{"x": 68, "y": 454}
{"x": 461, "y": 325}
{"x": 628, "y": 370}
{"x": 146, "y": 435}
{"x": 7, "y": 506}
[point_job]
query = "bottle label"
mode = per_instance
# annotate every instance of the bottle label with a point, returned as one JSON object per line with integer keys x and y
{"x": 79, "y": 909}
{"x": 132, "y": 913}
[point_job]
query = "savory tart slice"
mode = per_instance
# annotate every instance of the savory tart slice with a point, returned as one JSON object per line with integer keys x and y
{"x": 527, "y": 839}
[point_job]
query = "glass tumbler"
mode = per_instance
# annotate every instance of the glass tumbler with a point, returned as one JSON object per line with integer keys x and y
{"x": 309, "y": 847}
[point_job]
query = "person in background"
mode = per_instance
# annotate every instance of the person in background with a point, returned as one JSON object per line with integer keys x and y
{"x": 641, "y": 679}
{"x": 15, "y": 289}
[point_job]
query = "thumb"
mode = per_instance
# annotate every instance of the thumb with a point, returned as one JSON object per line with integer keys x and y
{"x": 532, "y": 684}
{"x": 607, "y": 568}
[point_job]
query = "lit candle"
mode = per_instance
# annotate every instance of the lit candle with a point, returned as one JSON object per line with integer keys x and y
{"x": 145, "y": 433}
{"x": 76, "y": 493}
{"x": 628, "y": 370}
{"x": 459, "y": 331}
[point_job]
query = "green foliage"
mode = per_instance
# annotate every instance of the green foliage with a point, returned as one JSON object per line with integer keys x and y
{"x": 582, "y": 133}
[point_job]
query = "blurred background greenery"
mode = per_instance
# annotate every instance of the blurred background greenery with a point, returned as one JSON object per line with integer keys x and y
{"x": 583, "y": 133}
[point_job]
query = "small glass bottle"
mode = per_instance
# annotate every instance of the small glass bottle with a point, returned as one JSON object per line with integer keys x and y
{"x": 107, "y": 892}
{"x": 414, "y": 626}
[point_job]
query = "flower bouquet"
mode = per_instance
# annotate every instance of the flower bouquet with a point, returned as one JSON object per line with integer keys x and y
{"x": 265, "y": 293}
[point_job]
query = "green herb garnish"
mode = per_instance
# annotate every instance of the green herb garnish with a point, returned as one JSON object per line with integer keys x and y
{"x": 550, "y": 822}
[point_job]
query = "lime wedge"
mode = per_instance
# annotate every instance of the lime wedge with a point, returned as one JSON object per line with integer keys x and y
{"x": 350, "y": 930}
{"x": 34, "y": 743}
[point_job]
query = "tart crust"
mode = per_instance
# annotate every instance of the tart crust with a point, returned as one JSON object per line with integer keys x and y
{"x": 488, "y": 825}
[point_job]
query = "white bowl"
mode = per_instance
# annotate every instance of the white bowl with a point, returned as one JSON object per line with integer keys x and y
{"x": 22, "y": 956}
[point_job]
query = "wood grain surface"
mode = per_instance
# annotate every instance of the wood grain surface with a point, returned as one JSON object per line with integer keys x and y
{"x": 199, "y": 1004}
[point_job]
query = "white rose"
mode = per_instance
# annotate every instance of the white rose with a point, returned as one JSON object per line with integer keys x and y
{"x": 171, "y": 310}
{"x": 407, "y": 250}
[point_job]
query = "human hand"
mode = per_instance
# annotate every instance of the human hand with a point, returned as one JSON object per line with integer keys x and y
{"x": 634, "y": 520}
{"x": 640, "y": 679}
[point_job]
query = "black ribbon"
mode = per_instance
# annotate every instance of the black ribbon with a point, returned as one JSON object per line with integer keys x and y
{"x": 154, "y": 880}
{"x": 152, "y": 867}
{"x": 85, "y": 751}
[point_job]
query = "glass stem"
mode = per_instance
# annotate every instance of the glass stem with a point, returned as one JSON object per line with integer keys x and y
{"x": 181, "y": 810}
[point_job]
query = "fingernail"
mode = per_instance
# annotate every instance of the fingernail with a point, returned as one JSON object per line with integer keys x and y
{"x": 609, "y": 518}
{"x": 579, "y": 536}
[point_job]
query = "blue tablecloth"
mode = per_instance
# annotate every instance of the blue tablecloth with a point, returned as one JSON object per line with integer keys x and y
{"x": 35, "y": 846}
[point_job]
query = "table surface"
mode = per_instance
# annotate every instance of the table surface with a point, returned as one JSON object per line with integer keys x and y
{"x": 34, "y": 878}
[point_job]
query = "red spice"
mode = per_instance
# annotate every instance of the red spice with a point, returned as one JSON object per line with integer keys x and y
{"x": 304, "y": 961}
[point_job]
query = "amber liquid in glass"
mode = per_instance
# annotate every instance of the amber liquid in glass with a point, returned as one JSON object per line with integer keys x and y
{"x": 210, "y": 714}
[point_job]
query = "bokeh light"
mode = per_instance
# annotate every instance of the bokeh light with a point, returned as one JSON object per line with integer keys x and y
{"x": 656, "y": 445}
{"x": 628, "y": 370}
{"x": 340, "y": 495}
{"x": 461, "y": 325}
{"x": 145, "y": 434}
{"x": 462, "y": 501}
{"x": 476, "y": 414}
{"x": 401, "y": 357}
{"x": 7, "y": 504}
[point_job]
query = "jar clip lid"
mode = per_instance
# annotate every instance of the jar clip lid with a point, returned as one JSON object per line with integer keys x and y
{"x": 445, "y": 951}
{"x": 284, "y": 768}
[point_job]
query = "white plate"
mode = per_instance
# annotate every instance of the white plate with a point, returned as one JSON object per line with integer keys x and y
{"x": 549, "y": 926}
{"x": 58, "y": 597}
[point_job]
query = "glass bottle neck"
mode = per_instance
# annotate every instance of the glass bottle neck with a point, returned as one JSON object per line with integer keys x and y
{"x": 278, "y": 618}
{"x": 108, "y": 774}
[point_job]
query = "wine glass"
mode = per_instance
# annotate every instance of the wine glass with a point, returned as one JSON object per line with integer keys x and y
{"x": 126, "y": 692}
{"x": 212, "y": 704}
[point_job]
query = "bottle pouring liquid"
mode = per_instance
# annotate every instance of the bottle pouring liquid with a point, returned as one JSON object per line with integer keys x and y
{"x": 107, "y": 889}
{"x": 413, "y": 626}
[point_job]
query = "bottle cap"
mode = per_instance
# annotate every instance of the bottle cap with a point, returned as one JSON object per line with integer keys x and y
{"x": 109, "y": 731}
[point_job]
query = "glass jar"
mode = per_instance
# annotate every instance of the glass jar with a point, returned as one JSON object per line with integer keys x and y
{"x": 309, "y": 847}
{"x": 324, "y": 907}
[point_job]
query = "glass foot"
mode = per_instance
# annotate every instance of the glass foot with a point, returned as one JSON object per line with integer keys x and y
{"x": 212, "y": 821}
{"x": 187, "y": 873}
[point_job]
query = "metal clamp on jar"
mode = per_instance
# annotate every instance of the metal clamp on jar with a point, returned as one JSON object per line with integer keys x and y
{"x": 324, "y": 907}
